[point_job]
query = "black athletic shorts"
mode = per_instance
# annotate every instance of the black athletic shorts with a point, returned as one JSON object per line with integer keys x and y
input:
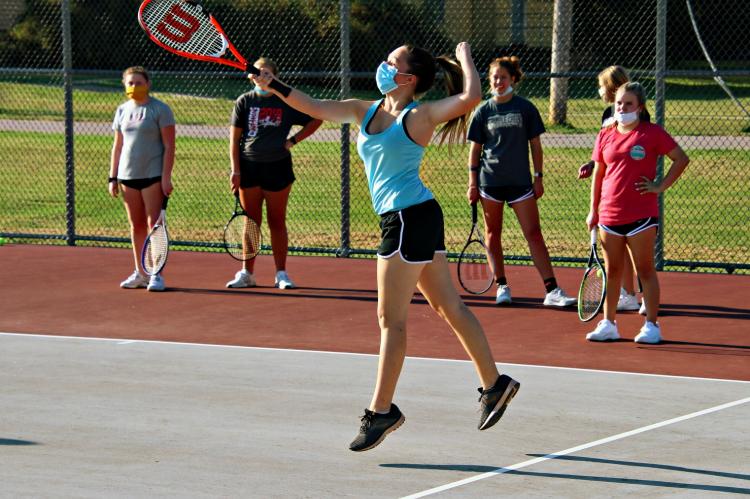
{"x": 271, "y": 176}
{"x": 633, "y": 228}
{"x": 139, "y": 183}
{"x": 510, "y": 194}
{"x": 416, "y": 233}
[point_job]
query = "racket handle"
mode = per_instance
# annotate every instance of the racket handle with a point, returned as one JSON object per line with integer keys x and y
{"x": 474, "y": 213}
{"x": 164, "y": 202}
{"x": 593, "y": 236}
{"x": 249, "y": 68}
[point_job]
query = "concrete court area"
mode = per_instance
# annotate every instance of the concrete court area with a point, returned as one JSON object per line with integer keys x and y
{"x": 117, "y": 418}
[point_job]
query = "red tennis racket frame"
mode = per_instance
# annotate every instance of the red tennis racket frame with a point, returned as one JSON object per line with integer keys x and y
{"x": 241, "y": 63}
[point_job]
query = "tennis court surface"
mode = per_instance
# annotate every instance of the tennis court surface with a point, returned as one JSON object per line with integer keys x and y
{"x": 207, "y": 392}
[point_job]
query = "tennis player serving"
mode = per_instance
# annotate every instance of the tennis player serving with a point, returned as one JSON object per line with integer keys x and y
{"x": 394, "y": 132}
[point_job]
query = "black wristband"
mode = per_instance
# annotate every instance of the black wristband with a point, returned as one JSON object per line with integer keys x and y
{"x": 112, "y": 179}
{"x": 474, "y": 168}
{"x": 284, "y": 90}
{"x": 293, "y": 140}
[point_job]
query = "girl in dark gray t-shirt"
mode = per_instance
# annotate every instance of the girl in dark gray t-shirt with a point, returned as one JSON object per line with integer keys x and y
{"x": 501, "y": 132}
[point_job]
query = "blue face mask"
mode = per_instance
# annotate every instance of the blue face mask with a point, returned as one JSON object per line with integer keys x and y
{"x": 260, "y": 91}
{"x": 384, "y": 77}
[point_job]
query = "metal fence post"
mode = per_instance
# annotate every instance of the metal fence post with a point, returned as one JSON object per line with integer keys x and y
{"x": 70, "y": 193}
{"x": 345, "y": 243}
{"x": 661, "y": 67}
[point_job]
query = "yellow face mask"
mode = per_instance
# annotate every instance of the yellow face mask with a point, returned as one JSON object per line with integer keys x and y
{"x": 138, "y": 92}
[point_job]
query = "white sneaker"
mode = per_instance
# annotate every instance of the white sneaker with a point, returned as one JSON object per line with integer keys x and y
{"x": 242, "y": 279}
{"x": 558, "y": 298}
{"x": 503, "y": 295}
{"x": 642, "y": 310}
{"x": 156, "y": 283}
{"x": 283, "y": 281}
{"x": 649, "y": 333}
{"x": 605, "y": 331}
{"x": 627, "y": 301}
{"x": 136, "y": 280}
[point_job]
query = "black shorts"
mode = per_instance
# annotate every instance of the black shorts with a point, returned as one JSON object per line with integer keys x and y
{"x": 511, "y": 194}
{"x": 271, "y": 176}
{"x": 633, "y": 228}
{"x": 416, "y": 233}
{"x": 139, "y": 183}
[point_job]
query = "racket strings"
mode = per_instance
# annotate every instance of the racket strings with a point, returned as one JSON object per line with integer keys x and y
{"x": 592, "y": 291}
{"x": 474, "y": 271}
{"x": 242, "y": 238}
{"x": 156, "y": 250}
{"x": 206, "y": 40}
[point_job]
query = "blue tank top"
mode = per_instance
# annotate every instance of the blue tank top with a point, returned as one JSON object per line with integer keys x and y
{"x": 392, "y": 162}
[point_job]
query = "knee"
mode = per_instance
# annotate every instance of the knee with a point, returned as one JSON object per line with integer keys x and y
{"x": 391, "y": 324}
{"x": 534, "y": 235}
{"x": 448, "y": 311}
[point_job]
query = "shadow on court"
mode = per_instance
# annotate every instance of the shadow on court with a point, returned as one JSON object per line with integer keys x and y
{"x": 13, "y": 441}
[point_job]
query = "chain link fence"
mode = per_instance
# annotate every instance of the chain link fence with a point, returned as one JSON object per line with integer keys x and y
{"x": 61, "y": 61}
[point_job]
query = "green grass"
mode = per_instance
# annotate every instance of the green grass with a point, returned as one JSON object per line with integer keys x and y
{"x": 707, "y": 216}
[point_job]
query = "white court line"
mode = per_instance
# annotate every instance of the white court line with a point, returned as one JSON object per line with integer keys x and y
{"x": 571, "y": 450}
{"x": 126, "y": 341}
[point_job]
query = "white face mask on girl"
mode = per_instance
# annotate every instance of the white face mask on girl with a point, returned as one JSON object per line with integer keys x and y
{"x": 626, "y": 118}
{"x": 507, "y": 91}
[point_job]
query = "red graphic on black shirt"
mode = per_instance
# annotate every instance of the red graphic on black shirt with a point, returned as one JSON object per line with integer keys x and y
{"x": 258, "y": 117}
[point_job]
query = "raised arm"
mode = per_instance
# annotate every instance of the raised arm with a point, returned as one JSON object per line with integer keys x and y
{"x": 345, "y": 111}
{"x": 446, "y": 109}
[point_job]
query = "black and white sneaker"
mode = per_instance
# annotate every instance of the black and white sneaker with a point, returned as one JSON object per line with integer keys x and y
{"x": 495, "y": 399}
{"x": 375, "y": 427}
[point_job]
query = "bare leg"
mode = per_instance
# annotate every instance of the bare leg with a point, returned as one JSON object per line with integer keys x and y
{"x": 614, "y": 260}
{"x": 251, "y": 199}
{"x": 396, "y": 283}
{"x": 493, "y": 224}
{"x": 139, "y": 216}
{"x": 642, "y": 247}
{"x": 528, "y": 217}
{"x": 628, "y": 273}
{"x": 436, "y": 285}
{"x": 276, "y": 203}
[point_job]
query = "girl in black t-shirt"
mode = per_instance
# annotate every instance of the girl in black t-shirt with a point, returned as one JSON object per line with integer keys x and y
{"x": 502, "y": 130}
{"x": 262, "y": 167}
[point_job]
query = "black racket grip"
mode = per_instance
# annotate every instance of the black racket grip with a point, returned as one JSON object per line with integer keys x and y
{"x": 474, "y": 213}
{"x": 252, "y": 69}
{"x": 164, "y": 202}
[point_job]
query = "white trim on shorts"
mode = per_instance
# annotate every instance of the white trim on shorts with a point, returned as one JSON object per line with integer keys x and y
{"x": 522, "y": 198}
{"x": 637, "y": 230}
{"x": 400, "y": 240}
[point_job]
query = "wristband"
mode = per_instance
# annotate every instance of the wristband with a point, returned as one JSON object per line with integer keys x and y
{"x": 293, "y": 140}
{"x": 474, "y": 168}
{"x": 538, "y": 174}
{"x": 112, "y": 179}
{"x": 284, "y": 90}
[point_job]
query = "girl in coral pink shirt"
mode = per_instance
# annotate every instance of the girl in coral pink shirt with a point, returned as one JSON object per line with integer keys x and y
{"x": 624, "y": 204}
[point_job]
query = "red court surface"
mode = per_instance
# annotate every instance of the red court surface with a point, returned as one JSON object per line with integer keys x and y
{"x": 70, "y": 291}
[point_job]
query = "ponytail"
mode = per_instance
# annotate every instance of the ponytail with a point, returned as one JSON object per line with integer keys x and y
{"x": 455, "y": 129}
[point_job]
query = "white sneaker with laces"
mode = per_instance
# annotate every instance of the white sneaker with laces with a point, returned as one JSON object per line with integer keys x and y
{"x": 649, "y": 333}
{"x": 558, "y": 298}
{"x": 642, "y": 310}
{"x": 605, "y": 331}
{"x": 134, "y": 281}
{"x": 156, "y": 283}
{"x": 627, "y": 301}
{"x": 242, "y": 279}
{"x": 283, "y": 281}
{"x": 503, "y": 295}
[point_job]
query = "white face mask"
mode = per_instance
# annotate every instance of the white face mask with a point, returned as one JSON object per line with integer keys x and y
{"x": 506, "y": 92}
{"x": 626, "y": 118}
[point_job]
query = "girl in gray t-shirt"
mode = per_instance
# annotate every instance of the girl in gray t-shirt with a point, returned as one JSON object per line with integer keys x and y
{"x": 501, "y": 132}
{"x": 141, "y": 164}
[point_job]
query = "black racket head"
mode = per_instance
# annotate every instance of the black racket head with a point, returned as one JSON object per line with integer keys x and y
{"x": 155, "y": 250}
{"x": 474, "y": 272}
{"x": 592, "y": 292}
{"x": 242, "y": 237}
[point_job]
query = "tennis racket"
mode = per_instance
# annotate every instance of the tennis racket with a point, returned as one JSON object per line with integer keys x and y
{"x": 242, "y": 238}
{"x": 475, "y": 273}
{"x": 593, "y": 288}
{"x": 156, "y": 248}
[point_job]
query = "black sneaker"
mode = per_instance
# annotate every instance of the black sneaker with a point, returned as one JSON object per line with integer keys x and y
{"x": 375, "y": 427}
{"x": 495, "y": 399}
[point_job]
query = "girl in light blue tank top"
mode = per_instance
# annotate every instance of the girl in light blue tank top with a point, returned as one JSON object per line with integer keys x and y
{"x": 393, "y": 134}
{"x": 392, "y": 160}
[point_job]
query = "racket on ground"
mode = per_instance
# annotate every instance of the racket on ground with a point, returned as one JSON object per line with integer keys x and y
{"x": 156, "y": 248}
{"x": 475, "y": 273}
{"x": 593, "y": 288}
{"x": 242, "y": 238}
